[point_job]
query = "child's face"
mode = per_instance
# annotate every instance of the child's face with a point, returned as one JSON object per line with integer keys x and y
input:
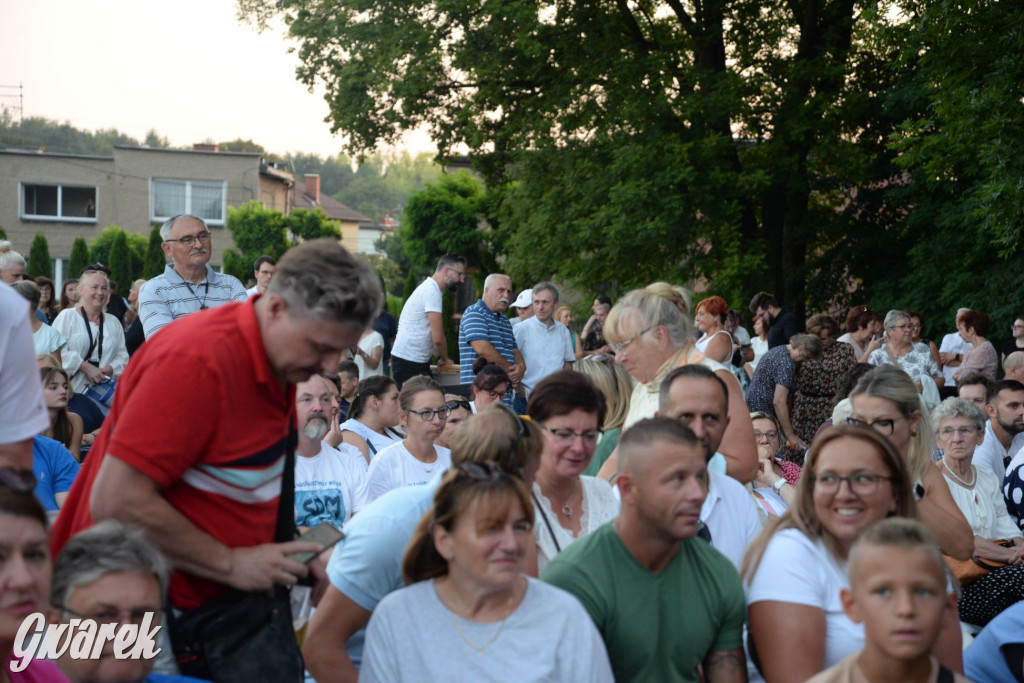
{"x": 900, "y": 596}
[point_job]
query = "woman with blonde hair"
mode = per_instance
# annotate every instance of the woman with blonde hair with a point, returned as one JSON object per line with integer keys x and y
{"x": 613, "y": 381}
{"x": 887, "y": 401}
{"x": 796, "y": 568}
{"x": 651, "y": 333}
{"x": 12, "y": 264}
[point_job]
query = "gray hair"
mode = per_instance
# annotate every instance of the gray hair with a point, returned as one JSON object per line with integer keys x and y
{"x": 1013, "y": 361}
{"x": 8, "y": 257}
{"x": 323, "y": 280}
{"x": 958, "y": 407}
{"x": 809, "y": 344}
{"x": 489, "y": 280}
{"x": 165, "y": 229}
{"x": 107, "y": 547}
{"x": 893, "y": 317}
{"x": 546, "y": 286}
{"x": 29, "y": 290}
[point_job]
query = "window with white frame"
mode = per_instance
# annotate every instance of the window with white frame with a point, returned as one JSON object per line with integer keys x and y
{"x": 203, "y": 198}
{"x": 54, "y": 202}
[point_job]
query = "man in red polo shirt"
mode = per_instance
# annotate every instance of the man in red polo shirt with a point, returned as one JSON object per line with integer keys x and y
{"x": 193, "y": 449}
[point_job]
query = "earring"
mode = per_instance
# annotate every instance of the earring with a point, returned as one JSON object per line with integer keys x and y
{"x": 913, "y": 432}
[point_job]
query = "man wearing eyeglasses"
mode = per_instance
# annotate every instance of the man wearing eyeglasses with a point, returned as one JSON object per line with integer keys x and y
{"x": 188, "y": 283}
{"x": 420, "y": 327}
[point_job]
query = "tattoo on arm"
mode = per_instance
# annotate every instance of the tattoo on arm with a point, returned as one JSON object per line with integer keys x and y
{"x": 725, "y": 666}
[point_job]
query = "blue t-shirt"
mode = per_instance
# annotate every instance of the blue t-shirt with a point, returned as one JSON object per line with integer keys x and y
{"x": 55, "y": 469}
{"x": 168, "y": 678}
{"x": 480, "y": 322}
{"x": 995, "y": 654}
{"x": 367, "y": 564}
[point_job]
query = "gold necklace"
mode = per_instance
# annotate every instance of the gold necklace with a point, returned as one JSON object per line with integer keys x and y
{"x": 479, "y": 649}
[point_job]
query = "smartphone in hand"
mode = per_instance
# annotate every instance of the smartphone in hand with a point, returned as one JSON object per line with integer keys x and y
{"x": 325, "y": 534}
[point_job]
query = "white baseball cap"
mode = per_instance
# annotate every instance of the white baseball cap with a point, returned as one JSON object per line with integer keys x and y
{"x": 524, "y": 299}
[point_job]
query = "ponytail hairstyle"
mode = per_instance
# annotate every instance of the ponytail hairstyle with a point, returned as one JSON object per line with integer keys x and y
{"x": 375, "y": 386}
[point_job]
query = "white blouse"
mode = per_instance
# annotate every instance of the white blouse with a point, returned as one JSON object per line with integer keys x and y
{"x": 599, "y": 506}
{"x": 983, "y": 506}
{"x": 72, "y": 327}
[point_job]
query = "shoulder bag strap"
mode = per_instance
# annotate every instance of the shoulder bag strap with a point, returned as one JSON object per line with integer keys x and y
{"x": 285, "y": 529}
{"x": 88, "y": 331}
{"x": 544, "y": 516}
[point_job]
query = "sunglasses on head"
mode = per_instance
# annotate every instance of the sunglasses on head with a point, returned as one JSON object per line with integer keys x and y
{"x": 462, "y": 403}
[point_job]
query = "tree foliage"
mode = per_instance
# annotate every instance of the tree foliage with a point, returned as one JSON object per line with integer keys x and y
{"x": 103, "y": 243}
{"x": 120, "y": 263}
{"x": 79, "y": 257}
{"x": 155, "y": 260}
{"x": 257, "y": 230}
{"x": 39, "y": 258}
{"x": 310, "y": 225}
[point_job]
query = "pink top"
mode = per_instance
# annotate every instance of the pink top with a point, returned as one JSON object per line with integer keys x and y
{"x": 37, "y": 671}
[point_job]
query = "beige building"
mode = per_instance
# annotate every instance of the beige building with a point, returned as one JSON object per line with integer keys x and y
{"x": 65, "y": 196}
{"x": 351, "y": 223}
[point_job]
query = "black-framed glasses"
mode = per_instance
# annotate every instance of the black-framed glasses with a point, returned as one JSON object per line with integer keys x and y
{"x": 861, "y": 483}
{"x": 883, "y": 427}
{"x": 109, "y": 615}
{"x": 428, "y": 415}
{"x": 566, "y": 437}
{"x": 455, "y": 405}
{"x": 498, "y": 396}
{"x": 18, "y": 479}
{"x": 189, "y": 240}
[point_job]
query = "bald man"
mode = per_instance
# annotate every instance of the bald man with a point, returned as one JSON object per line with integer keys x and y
{"x": 664, "y": 601}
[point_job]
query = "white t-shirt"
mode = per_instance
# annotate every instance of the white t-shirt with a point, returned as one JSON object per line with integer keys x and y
{"x": 730, "y": 514}
{"x": 990, "y": 452}
{"x": 953, "y": 343}
{"x": 375, "y": 441}
{"x": 599, "y": 506}
{"x": 328, "y": 486}
{"x": 797, "y": 570}
{"x": 48, "y": 340}
{"x": 413, "y": 341}
{"x": 395, "y": 466}
{"x": 22, "y": 410}
{"x": 367, "y": 344}
{"x": 545, "y": 349}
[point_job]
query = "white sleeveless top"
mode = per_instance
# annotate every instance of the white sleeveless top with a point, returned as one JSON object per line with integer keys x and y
{"x": 374, "y": 440}
{"x": 703, "y": 342}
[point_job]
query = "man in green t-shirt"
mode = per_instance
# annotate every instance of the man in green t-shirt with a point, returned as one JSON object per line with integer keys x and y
{"x": 664, "y": 601}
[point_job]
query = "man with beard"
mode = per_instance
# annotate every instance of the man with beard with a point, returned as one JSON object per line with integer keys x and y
{"x": 485, "y": 331}
{"x": 1005, "y": 407}
{"x": 782, "y": 324}
{"x": 420, "y": 328}
{"x": 697, "y": 397}
{"x": 664, "y": 601}
{"x": 328, "y": 482}
{"x": 188, "y": 284}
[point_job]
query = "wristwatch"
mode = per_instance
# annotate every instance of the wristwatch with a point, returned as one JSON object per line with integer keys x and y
{"x": 779, "y": 484}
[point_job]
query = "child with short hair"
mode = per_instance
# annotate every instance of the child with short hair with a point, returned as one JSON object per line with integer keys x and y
{"x": 899, "y": 591}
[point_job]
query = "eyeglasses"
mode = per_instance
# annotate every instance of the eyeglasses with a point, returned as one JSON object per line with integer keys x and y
{"x": 566, "y": 437}
{"x": 965, "y": 431}
{"x": 861, "y": 483}
{"x": 187, "y": 240}
{"x": 18, "y": 479}
{"x": 454, "y": 405}
{"x": 112, "y": 616}
{"x": 1015, "y": 326}
{"x": 765, "y": 435}
{"x": 428, "y": 415}
{"x": 883, "y": 427}
{"x": 902, "y": 327}
{"x": 620, "y": 346}
{"x": 496, "y": 396}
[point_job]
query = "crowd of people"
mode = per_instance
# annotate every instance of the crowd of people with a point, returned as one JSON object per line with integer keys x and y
{"x": 278, "y": 478}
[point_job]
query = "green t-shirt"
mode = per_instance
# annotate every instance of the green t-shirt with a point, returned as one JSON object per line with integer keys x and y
{"x": 656, "y": 627}
{"x": 609, "y": 441}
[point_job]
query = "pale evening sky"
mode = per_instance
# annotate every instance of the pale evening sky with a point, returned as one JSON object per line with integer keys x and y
{"x": 188, "y": 69}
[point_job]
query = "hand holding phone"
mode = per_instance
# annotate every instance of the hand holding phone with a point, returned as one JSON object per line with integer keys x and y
{"x": 325, "y": 534}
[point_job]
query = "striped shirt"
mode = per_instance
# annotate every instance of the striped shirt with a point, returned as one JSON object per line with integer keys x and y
{"x": 480, "y": 322}
{"x": 169, "y": 296}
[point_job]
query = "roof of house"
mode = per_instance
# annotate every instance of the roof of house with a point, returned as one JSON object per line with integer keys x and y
{"x": 331, "y": 206}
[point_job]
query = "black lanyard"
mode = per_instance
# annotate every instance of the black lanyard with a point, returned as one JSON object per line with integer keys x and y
{"x": 88, "y": 331}
{"x": 202, "y": 304}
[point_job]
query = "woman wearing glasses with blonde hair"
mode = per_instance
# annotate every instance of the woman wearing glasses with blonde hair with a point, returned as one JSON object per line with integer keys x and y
{"x": 416, "y": 459}
{"x": 570, "y": 410}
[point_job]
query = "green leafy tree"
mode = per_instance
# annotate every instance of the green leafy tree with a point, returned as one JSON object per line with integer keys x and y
{"x": 257, "y": 230}
{"x": 155, "y": 259}
{"x": 310, "y": 225}
{"x": 120, "y": 262}
{"x": 79, "y": 257}
{"x": 3, "y": 233}
{"x": 632, "y": 141}
{"x": 448, "y": 216}
{"x": 235, "y": 266}
{"x": 100, "y": 249}
{"x": 39, "y": 257}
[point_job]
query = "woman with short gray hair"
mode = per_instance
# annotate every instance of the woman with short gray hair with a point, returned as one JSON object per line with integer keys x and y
{"x": 959, "y": 429}
{"x": 898, "y": 349}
